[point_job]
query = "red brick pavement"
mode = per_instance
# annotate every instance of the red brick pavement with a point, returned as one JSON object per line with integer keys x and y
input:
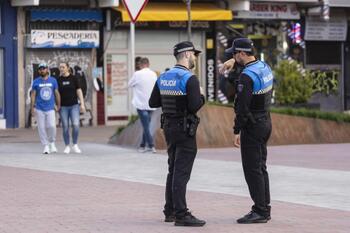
{"x": 39, "y": 202}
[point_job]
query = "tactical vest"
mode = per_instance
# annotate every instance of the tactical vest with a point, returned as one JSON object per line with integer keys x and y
{"x": 172, "y": 87}
{"x": 262, "y": 77}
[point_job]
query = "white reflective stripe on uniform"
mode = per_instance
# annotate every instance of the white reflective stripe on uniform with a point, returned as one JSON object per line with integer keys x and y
{"x": 263, "y": 91}
{"x": 171, "y": 92}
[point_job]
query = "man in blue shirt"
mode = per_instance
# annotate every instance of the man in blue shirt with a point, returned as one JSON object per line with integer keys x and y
{"x": 43, "y": 98}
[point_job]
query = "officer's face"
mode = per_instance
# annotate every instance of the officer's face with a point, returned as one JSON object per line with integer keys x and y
{"x": 237, "y": 56}
{"x": 191, "y": 60}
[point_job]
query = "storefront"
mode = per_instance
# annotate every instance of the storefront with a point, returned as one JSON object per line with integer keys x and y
{"x": 275, "y": 29}
{"x": 327, "y": 55}
{"x": 159, "y": 27}
{"x": 63, "y": 35}
{"x": 8, "y": 66}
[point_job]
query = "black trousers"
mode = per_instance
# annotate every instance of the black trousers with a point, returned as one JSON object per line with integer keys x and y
{"x": 182, "y": 150}
{"x": 254, "y": 137}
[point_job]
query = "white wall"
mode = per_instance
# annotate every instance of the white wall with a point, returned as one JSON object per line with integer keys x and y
{"x": 157, "y": 46}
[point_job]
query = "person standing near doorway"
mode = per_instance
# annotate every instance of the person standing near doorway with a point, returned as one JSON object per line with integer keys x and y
{"x": 43, "y": 97}
{"x": 71, "y": 106}
{"x": 142, "y": 83}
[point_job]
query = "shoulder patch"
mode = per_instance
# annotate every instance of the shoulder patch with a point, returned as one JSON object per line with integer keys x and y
{"x": 240, "y": 87}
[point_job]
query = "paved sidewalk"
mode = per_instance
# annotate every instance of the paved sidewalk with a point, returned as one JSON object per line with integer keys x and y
{"x": 113, "y": 189}
{"x": 38, "y": 202}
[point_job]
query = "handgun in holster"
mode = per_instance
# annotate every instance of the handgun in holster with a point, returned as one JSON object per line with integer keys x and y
{"x": 192, "y": 123}
{"x": 162, "y": 120}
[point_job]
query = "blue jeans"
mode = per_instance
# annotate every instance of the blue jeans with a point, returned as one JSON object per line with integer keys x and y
{"x": 145, "y": 118}
{"x": 71, "y": 113}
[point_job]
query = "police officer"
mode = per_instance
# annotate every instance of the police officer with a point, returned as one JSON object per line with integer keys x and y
{"x": 177, "y": 91}
{"x": 252, "y": 125}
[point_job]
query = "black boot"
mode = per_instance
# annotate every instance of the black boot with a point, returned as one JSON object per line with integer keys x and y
{"x": 169, "y": 218}
{"x": 252, "y": 217}
{"x": 189, "y": 220}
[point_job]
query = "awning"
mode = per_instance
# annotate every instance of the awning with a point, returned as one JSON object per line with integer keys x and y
{"x": 65, "y": 15}
{"x": 161, "y": 11}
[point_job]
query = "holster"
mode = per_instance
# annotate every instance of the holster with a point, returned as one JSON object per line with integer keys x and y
{"x": 162, "y": 120}
{"x": 192, "y": 124}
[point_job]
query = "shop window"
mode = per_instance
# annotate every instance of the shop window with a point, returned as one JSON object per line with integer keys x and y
{"x": 323, "y": 53}
{"x": 2, "y": 83}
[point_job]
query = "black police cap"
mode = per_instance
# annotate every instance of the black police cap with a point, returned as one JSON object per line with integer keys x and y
{"x": 185, "y": 46}
{"x": 241, "y": 44}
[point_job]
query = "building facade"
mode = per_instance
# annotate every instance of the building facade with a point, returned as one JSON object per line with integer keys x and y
{"x": 160, "y": 26}
{"x": 8, "y": 66}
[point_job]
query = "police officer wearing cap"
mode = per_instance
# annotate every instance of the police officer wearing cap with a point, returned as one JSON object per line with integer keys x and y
{"x": 252, "y": 125}
{"x": 177, "y": 92}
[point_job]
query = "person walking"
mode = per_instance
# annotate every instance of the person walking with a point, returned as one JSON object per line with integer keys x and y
{"x": 142, "y": 83}
{"x": 71, "y": 105}
{"x": 252, "y": 125}
{"x": 44, "y": 95}
{"x": 177, "y": 91}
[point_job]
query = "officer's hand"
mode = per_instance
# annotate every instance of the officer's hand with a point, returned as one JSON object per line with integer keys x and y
{"x": 236, "y": 140}
{"x": 201, "y": 90}
{"x": 227, "y": 66}
{"x": 32, "y": 111}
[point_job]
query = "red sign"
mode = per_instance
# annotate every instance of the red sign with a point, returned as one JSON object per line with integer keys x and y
{"x": 134, "y": 8}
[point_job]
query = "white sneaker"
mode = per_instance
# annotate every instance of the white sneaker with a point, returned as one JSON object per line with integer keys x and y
{"x": 154, "y": 150}
{"x": 46, "y": 150}
{"x": 66, "y": 150}
{"x": 52, "y": 147}
{"x": 142, "y": 150}
{"x": 76, "y": 149}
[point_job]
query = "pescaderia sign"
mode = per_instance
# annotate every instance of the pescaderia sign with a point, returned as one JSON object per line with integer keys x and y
{"x": 65, "y": 39}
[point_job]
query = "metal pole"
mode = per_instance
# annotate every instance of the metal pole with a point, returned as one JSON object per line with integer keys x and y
{"x": 132, "y": 48}
{"x": 189, "y": 32}
{"x": 131, "y": 62}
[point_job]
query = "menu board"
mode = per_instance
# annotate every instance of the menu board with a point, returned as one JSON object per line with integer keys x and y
{"x": 335, "y": 29}
{"x": 117, "y": 85}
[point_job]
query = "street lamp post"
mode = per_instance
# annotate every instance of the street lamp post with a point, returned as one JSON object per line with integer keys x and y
{"x": 189, "y": 32}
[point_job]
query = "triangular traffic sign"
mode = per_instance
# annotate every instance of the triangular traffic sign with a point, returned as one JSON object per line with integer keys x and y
{"x": 134, "y": 8}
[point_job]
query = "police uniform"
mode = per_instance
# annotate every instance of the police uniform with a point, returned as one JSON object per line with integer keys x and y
{"x": 177, "y": 92}
{"x": 253, "y": 122}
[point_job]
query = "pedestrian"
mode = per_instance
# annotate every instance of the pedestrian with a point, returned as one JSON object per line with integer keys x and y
{"x": 142, "y": 83}
{"x": 252, "y": 125}
{"x": 177, "y": 91}
{"x": 137, "y": 63}
{"x": 72, "y": 103}
{"x": 43, "y": 98}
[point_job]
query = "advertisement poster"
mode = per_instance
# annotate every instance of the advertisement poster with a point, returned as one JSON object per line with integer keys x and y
{"x": 117, "y": 85}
